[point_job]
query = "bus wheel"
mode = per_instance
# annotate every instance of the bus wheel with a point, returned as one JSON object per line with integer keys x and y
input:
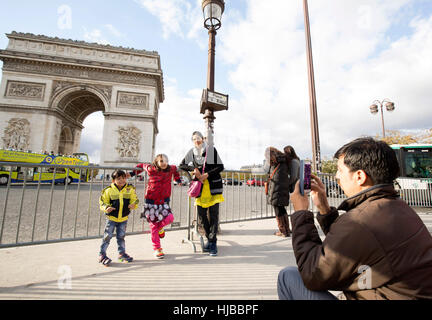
{"x": 68, "y": 180}
{"x": 4, "y": 179}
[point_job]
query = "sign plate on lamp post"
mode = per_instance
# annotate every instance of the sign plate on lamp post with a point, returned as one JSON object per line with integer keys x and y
{"x": 214, "y": 101}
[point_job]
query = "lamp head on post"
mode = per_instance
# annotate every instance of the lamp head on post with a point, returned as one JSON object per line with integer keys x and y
{"x": 379, "y": 104}
{"x": 390, "y": 106}
{"x": 373, "y": 108}
{"x": 213, "y": 10}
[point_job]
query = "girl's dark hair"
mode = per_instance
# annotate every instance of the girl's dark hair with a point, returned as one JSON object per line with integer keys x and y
{"x": 155, "y": 162}
{"x": 374, "y": 157}
{"x": 290, "y": 154}
{"x": 118, "y": 173}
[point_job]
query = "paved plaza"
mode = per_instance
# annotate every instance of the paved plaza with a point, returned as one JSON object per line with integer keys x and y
{"x": 247, "y": 266}
{"x": 250, "y": 258}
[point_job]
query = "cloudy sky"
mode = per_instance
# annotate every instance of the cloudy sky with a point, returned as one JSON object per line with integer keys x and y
{"x": 363, "y": 50}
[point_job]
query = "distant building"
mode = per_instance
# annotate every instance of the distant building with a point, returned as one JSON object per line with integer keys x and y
{"x": 255, "y": 168}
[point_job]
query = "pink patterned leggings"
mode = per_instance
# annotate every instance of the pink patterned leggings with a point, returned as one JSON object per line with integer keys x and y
{"x": 155, "y": 227}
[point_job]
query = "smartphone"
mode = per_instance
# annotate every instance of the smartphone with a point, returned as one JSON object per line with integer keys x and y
{"x": 305, "y": 176}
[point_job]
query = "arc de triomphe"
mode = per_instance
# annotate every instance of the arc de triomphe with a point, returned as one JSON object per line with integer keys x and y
{"x": 50, "y": 85}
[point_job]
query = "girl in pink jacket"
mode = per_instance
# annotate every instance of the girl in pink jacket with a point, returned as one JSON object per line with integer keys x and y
{"x": 157, "y": 196}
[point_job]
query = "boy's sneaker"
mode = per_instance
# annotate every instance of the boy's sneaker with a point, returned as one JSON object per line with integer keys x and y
{"x": 124, "y": 257}
{"x": 161, "y": 233}
{"x": 159, "y": 253}
{"x": 213, "y": 249}
{"x": 104, "y": 260}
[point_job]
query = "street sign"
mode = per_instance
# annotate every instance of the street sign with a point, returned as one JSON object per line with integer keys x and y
{"x": 214, "y": 101}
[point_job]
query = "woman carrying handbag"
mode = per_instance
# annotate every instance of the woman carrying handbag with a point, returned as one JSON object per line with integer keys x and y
{"x": 206, "y": 164}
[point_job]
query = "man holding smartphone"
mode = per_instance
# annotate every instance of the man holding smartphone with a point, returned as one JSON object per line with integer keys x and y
{"x": 378, "y": 249}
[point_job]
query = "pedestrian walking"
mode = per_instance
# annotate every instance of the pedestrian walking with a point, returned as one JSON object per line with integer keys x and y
{"x": 117, "y": 201}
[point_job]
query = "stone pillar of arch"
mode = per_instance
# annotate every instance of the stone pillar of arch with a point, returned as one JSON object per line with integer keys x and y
{"x": 50, "y": 85}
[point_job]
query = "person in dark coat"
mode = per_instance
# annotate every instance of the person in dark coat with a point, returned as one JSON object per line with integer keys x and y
{"x": 278, "y": 195}
{"x": 293, "y": 162}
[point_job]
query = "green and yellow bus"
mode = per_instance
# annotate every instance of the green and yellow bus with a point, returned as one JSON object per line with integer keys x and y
{"x": 44, "y": 174}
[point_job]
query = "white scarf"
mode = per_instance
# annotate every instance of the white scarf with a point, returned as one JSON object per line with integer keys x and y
{"x": 198, "y": 153}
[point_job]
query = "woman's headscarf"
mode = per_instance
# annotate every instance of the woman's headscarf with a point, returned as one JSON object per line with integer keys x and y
{"x": 198, "y": 151}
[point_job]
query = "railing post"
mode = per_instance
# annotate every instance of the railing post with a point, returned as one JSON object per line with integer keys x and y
{"x": 5, "y": 204}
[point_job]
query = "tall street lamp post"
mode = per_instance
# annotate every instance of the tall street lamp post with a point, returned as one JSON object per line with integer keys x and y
{"x": 212, "y": 101}
{"x": 374, "y": 110}
{"x": 316, "y": 152}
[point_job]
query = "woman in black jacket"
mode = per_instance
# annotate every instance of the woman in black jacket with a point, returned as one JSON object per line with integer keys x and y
{"x": 293, "y": 163}
{"x": 278, "y": 194}
{"x": 211, "y": 189}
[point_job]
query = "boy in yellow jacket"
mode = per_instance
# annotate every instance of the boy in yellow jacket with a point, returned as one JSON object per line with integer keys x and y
{"x": 116, "y": 202}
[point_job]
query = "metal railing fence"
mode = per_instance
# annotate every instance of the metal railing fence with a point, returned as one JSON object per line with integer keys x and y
{"x": 32, "y": 212}
{"x": 416, "y": 192}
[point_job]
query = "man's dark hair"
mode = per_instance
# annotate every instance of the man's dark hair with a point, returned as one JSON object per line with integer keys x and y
{"x": 118, "y": 173}
{"x": 374, "y": 157}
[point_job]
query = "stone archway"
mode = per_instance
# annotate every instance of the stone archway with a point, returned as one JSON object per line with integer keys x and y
{"x": 54, "y": 84}
{"x": 66, "y": 141}
{"x": 76, "y": 102}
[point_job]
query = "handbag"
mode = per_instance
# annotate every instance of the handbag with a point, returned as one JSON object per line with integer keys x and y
{"x": 195, "y": 186}
{"x": 266, "y": 184}
{"x": 194, "y": 189}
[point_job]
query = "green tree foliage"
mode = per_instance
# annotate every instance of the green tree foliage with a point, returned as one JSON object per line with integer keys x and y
{"x": 426, "y": 136}
{"x": 329, "y": 166}
{"x": 396, "y": 137}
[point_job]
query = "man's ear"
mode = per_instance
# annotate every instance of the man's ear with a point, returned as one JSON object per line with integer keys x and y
{"x": 361, "y": 177}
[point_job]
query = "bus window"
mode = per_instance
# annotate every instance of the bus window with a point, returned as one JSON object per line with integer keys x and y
{"x": 418, "y": 165}
{"x": 29, "y": 173}
{"x": 84, "y": 174}
{"x": 25, "y": 173}
{"x": 82, "y": 156}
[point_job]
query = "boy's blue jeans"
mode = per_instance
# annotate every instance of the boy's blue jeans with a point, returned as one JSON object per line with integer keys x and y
{"x": 120, "y": 228}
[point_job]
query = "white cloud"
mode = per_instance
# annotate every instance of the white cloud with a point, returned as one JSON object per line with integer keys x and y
{"x": 177, "y": 121}
{"x": 178, "y": 17}
{"x": 91, "y": 137}
{"x": 114, "y": 31}
{"x": 96, "y": 36}
{"x": 267, "y": 52}
{"x": 357, "y": 59}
